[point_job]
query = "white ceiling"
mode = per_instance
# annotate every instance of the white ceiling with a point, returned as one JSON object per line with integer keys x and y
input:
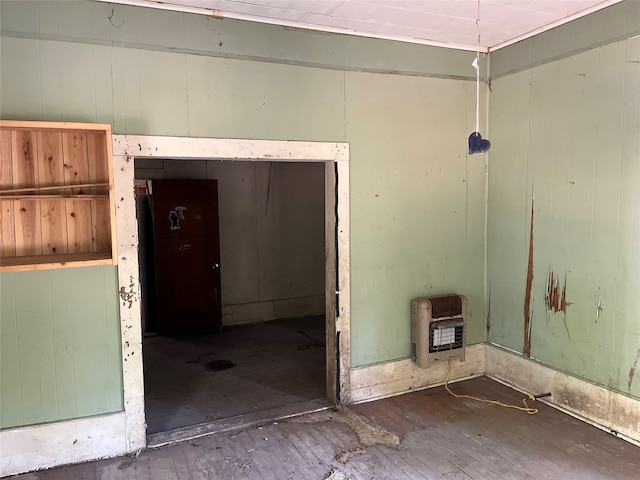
{"x": 450, "y": 23}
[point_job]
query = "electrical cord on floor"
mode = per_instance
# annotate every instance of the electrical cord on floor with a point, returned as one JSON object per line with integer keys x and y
{"x": 526, "y": 408}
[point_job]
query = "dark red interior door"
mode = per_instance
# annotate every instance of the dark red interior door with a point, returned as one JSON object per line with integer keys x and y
{"x": 187, "y": 255}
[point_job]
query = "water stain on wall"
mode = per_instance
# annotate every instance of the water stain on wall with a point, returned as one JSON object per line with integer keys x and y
{"x": 526, "y": 350}
{"x": 632, "y": 371}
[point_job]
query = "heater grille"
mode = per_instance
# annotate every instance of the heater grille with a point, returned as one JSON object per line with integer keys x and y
{"x": 446, "y": 335}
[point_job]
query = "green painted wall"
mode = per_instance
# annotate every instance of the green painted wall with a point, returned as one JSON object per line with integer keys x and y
{"x": 614, "y": 23}
{"x": 60, "y": 345}
{"x": 566, "y": 142}
{"x": 417, "y": 200}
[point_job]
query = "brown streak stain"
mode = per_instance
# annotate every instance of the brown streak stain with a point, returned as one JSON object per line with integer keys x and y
{"x": 632, "y": 371}
{"x": 526, "y": 350}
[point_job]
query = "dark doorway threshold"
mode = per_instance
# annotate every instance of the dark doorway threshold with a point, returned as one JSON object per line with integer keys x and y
{"x": 239, "y": 422}
{"x": 196, "y": 385}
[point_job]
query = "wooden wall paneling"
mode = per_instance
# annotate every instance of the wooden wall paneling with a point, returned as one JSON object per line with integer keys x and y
{"x": 7, "y": 229}
{"x": 7, "y": 220}
{"x": 99, "y": 173}
{"x": 25, "y": 174}
{"x": 50, "y": 173}
{"x": 41, "y": 220}
{"x": 28, "y": 227}
{"x": 101, "y": 234}
{"x": 98, "y": 160}
{"x": 79, "y": 226}
{"x": 35, "y": 346}
{"x": 112, "y": 197}
{"x": 24, "y": 157}
{"x": 6, "y": 175}
{"x": 76, "y": 161}
{"x": 50, "y": 162}
{"x": 54, "y": 227}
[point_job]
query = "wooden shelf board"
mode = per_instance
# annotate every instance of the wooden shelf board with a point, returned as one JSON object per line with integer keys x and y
{"x": 57, "y": 126}
{"x": 70, "y": 186}
{"x": 62, "y": 196}
{"x": 46, "y": 262}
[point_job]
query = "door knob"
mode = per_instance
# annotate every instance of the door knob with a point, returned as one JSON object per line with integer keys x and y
{"x": 216, "y": 265}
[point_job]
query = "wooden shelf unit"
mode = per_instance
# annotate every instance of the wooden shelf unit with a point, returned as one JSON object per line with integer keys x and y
{"x": 56, "y": 195}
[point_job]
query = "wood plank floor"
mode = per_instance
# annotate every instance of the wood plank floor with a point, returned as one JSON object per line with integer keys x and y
{"x": 440, "y": 437}
{"x": 243, "y": 369}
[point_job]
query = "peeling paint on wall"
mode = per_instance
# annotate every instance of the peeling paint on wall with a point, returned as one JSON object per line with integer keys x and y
{"x": 556, "y": 300}
{"x": 632, "y": 371}
{"x": 526, "y": 350}
{"x": 128, "y": 296}
{"x": 599, "y": 308}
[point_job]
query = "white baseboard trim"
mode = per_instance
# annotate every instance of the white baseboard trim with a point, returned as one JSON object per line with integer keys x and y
{"x": 394, "y": 378}
{"x": 36, "y": 447}
{"x": 606, "y": 409}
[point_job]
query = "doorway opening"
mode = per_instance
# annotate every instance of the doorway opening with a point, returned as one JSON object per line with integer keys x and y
{"x": 258, "y": 251}
{"x": 335, "y": 159}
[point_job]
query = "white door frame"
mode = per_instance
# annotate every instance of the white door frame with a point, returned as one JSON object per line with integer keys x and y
{"x": 335, "y": 156}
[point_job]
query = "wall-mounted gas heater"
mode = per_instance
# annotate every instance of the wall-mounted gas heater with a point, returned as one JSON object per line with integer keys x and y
{"x": 438, "y": 329}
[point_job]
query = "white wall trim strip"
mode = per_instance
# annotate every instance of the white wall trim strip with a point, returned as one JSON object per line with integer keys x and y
{"x": 231, "y": 149}
{"x": 402, "y": 376}
{"x": 130, "y": 313}
{"x": 42, "y": 446}
{"x": 609, "y": 410}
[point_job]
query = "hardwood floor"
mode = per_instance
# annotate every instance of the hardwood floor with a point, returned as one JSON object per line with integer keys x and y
{"x": 243, "y": 369}
{"x": 422, "y": 435}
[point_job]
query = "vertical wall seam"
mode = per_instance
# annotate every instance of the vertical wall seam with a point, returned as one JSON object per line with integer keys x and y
{"x": 590, "y": 283}
{"x": 620, "y": 199}
{"x": 73, "y": 362}
{"x": 40, "y": 68}
{"x": 344, "y": 101}
{"x": 186, "y": 93}
{"x": 13, "y": 295}
{"x": 55, "y": 355}
{"x": 485, "y": 280}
